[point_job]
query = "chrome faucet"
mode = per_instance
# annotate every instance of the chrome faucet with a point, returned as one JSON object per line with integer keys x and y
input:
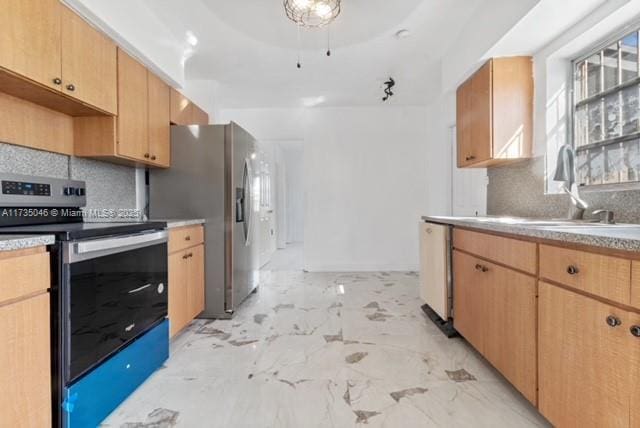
{"x": 578, "y": 206}
{"x": 606, "y": 216}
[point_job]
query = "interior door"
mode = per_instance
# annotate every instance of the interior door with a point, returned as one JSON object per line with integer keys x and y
{"x": 89, "y": 63}
{"x": 584, "y": 367}
{"x": 30, "y": 40}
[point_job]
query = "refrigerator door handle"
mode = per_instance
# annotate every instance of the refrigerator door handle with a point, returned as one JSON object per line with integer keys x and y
{"x": 247, "y": 184}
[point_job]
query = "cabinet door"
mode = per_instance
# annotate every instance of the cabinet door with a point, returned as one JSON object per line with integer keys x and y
{"x": 195, "y": 293}
{"x": 25, "y": 363}
{"x": 199, "y": 116}
{"x": 30, "y": 39}
{"x": 584, "y": 364}
{"x": 481, "y": 126}
{"x": 463, "y": 121}
{"x": 510, "y": 329}
{"x": 133, "y": 110}
{"x": 178, "y": 284}
{"x": 89, "y": 63}
{"x": 159, "y": 118}
{"x": 468, "y": 299}
{"x": 634, "y": 352}
{"x": 181, "y": 109}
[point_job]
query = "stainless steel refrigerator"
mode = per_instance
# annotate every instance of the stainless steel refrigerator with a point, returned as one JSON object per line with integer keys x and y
{"x": 212, "y": 177}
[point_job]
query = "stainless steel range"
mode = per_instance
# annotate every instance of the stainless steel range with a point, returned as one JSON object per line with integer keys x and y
{"x": 109, "y": 295}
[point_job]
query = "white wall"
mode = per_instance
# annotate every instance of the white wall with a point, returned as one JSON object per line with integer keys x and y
{"x": 293, "y": 157}
{"x": 370, "y": 174}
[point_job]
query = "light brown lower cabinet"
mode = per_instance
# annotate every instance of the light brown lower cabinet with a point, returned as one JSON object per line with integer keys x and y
{"x": 495, "y": 310}
{"x": 186, "y": 280}
{"x": 588, "y": 361}
{"x": 25, "y": 351}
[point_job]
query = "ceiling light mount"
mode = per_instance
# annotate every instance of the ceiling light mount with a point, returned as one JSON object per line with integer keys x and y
{"x": 312, "y": 13}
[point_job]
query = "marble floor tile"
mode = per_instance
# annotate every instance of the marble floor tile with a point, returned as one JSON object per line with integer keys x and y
{"x": 325, "y": 350}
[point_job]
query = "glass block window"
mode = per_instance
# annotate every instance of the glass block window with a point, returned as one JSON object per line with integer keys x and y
{"x": 606, "y": 113}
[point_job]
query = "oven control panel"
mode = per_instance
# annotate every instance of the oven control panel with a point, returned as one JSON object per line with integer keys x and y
{"x": 29, "y": 191}
{"x": 26, "y": 189}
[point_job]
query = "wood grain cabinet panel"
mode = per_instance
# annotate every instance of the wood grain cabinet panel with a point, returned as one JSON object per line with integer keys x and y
{"x": 604, "y": 276}
{"x": 199, "y": 116}
{"x": 28, "y": 271}
{"x": 25, "y": 363}
{"x": 181, "y": 108}
{"x": 520, "y": 255}
{"x": 159, "y": 118}
{"x": 89, "y": 64}
{"x": 178, "y": 284}
{"x": 495, "y": 113}
{"x": 184, "y": 237}
{"x": 635, "y": 285}
{"x": 634, "y": 353}
{"x": 510, "y": 317}
{"x": 468, "y": 299}
{"x": 133, "y": 109}
{"x": 584, "y": 363}
{"x": 196, "y": 290}
{"x": 30, "y": 40}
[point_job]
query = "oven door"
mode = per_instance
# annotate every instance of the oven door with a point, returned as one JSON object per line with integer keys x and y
{"x": 116, "y": 291}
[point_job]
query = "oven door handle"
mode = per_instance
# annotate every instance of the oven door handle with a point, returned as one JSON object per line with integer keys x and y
{"x": 101, "y": 247}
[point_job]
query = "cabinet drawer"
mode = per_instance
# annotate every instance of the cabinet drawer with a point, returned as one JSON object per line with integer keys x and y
{"x": 603, "y": 276}
{"x": 29, "y": 274}
{"x": 635, "y": 285}
{"x": 185, "y": 237}
{"x": 514, "y": 253}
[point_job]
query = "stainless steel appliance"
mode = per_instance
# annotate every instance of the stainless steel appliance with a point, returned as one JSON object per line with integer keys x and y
{"x": 212, "y": 177}
{"x": 108, "y": 295}
{"x": 436, "y": 275}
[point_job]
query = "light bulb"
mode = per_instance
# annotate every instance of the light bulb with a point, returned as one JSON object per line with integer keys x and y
{"x": 322, "y": 9}
{"x": 302, "y": 4}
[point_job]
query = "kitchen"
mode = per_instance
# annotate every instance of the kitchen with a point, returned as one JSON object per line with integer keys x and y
{"x": 319, "y": 213}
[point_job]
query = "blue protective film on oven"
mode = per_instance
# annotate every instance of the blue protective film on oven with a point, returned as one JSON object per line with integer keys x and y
{"x": 92, "y": 398}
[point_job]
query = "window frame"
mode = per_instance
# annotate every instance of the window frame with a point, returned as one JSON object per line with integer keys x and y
{"x": 573, "y": 105}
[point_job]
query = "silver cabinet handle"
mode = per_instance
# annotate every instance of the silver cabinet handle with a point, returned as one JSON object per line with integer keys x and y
{"x": 139, "y": 289}
{"x": 129, "y": 327}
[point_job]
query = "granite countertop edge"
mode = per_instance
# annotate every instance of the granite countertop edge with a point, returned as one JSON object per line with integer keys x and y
{"x": 175, "y": 223}
{"x": 21, "y": 242}
{"x": 594, "y": 240}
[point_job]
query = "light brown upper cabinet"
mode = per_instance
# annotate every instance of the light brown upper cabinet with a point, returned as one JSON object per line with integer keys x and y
{"x": 89, "y": 66}
{"x": 51, "y": 57}
{"x": 159, "y": 117}
{"x": 185, "y": 111}
{"x": 495, "y": 113}
{"x": 181, "y": 108}
{"x": 199, "y": 116}
{"x": 140, "y": 134}
{"x": 30, "y": 40}
{"x": 133, "y": 109}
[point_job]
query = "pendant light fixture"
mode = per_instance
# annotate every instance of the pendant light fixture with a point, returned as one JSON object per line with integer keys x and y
{"x": 312, "y": 14}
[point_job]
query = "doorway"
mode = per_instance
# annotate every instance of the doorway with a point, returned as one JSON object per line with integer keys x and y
{"x": 282, "y": 186}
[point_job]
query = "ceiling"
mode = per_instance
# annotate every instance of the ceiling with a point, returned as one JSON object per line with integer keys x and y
{"x": 250, "y": 48}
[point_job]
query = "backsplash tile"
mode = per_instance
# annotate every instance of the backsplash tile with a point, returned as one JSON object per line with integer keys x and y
{"x": 22, "y": 160}
{"x": 518, "y": 190}
{"x": 109, "y": 186}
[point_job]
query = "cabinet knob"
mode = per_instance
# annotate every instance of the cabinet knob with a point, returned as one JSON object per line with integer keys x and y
{"x": 635, "y": 330}
{"x": 468, "y": 158}
{"x": 478, "y": 267}
{"x": 147, "y": 155}
{"x": 57, "y": 81}
{"x": 187, "y": 238}
{"x": 70, "y": 87}
{"x": 485, "y": 269}
{"x": 482, "y": 268}
{"x": 613, "y": 321}
{"x": 186, "y": 256}
{"x": 153, "y": 157}
{"x": 573, "y": 270}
